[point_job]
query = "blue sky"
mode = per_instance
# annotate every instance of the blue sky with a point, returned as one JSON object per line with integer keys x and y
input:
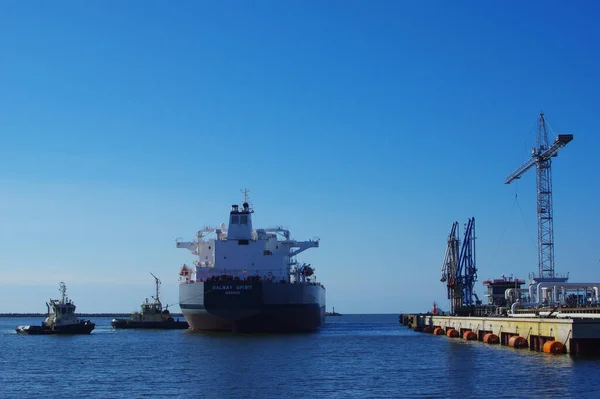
{"x": 371, "y": 125}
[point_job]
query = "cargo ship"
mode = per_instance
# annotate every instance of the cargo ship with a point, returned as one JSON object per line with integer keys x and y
{"x": 248, "y": 280}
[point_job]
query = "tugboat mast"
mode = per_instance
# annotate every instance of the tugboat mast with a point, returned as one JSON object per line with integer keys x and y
{"x": 157, "y": 283}
{"x": 63, "y": 290}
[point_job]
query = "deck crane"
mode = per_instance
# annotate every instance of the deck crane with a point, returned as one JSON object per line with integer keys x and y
{"x": 459, "y": 270}
{"x": 541, "y": 158}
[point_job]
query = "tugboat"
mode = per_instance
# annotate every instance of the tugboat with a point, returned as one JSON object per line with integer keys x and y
{"x": 151, "y": 315}
{"x": 61, "y": 320}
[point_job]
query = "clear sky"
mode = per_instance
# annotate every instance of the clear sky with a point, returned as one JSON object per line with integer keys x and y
{"x": 373, "y": 125}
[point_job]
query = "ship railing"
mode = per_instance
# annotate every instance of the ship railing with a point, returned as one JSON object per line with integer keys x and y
{"x": 267, "y": 275}
{"x": 238, "y": 274}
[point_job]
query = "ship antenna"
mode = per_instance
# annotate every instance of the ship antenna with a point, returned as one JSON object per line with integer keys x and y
{"x": 247, "y": 200}
{"x": 157, "y": 283}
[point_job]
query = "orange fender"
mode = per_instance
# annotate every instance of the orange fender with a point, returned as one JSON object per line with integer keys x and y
{"x": 554, "y": 347}
{"x": 517, "y": 342}
{"x": 491, "y": 338}
{"x": 452, "y": 333}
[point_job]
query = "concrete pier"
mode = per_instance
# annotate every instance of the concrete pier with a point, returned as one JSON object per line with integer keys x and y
{"x": 578, "y": 335}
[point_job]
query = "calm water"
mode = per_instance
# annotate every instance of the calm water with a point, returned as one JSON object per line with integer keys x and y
{"x": 367, "y": 356}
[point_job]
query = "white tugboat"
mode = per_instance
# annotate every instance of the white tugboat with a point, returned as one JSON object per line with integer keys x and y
{"x": 248, "y": 280}
{"x": 151, "y": 315}
{"x": 61, "y": 320}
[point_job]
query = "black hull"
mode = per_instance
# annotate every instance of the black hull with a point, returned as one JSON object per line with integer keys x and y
{"x": 82, "y": 328}
{"x": 156, "y": 325}
{"x": 270, "y": 319}
{"x": 253, "y": 306}
{"x": 282, "y": 319}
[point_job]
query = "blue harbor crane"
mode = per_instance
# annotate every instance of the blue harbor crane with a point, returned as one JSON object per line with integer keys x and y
{"x": 541, "y": 158}
{"x": 459, "y": 270}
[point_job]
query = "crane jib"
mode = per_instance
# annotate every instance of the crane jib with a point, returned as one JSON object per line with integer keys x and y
{"x": 541, "y": 156}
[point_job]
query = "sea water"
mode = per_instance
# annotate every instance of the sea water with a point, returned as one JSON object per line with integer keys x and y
{"x": 353, "y": 356}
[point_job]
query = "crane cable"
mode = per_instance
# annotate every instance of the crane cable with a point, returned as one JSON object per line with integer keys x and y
{"x": 533, "y": 242}
{"x": 518, "y": 206}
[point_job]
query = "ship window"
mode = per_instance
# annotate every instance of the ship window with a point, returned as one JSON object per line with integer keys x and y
{"x": 235, "y": 219}
{"x": 244, "y": 219}
{"x": 242, "y": 242}
{"x": 209, "y": 247}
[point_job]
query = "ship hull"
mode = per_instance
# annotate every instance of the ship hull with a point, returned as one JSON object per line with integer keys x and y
{"x": 157, "y": 325}
{"x": 240, "y": 306}
{"x": 85, "y": 327}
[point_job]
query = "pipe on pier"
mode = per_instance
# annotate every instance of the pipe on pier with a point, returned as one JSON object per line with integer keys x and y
{"x": 565, "y": 286}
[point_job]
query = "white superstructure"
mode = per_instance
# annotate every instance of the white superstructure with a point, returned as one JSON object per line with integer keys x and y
{"x": 243, "y": 252}
{"x": 63, "y": 310}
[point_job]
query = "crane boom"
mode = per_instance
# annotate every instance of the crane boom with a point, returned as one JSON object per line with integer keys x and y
{"x": 451, "y": 257}
{"x": 467, "y": 267}
{"x": 561, "y": 141}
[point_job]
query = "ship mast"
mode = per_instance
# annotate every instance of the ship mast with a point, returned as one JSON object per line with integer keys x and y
{"x": 157, "y": 283}
{"x": 246, "y": 193}
{"x": 63, "y": 291}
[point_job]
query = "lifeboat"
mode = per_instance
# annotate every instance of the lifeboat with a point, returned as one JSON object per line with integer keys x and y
{"x": 185, "y": 271}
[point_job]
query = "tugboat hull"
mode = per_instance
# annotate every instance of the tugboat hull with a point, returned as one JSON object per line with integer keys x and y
{"x": 84, "y": 327}
{"x": 157, "y": 325}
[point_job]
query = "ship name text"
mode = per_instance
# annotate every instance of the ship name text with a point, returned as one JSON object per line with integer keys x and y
{"x": 231, "y": 287}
